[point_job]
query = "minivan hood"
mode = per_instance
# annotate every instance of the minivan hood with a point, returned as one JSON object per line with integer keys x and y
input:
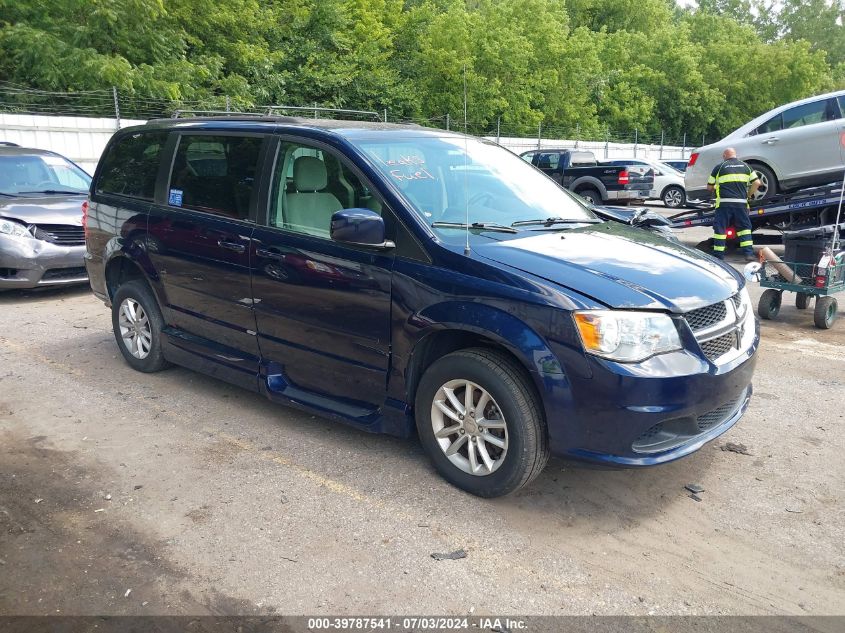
{"x": 619, "y": 266}
{"x": 54, "y": 209}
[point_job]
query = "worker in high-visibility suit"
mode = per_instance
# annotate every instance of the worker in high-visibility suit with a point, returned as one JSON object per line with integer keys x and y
{"x": 734, "y": 183}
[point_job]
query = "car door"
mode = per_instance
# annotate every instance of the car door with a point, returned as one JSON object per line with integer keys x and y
{"x": 322, "y": 308}
{"x": 549, "y": 164}
{"x": 806, "y": 143}
{"x": 200, "y": 230}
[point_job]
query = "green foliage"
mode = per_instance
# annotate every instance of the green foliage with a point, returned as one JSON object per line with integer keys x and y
{"x": 580, "y": 66}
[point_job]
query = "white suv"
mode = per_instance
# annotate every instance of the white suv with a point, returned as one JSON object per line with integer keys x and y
{"x": 794, "y": 146}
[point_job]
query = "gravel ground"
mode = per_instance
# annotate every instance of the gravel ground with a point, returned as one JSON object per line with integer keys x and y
{"x": 173, "y": 493}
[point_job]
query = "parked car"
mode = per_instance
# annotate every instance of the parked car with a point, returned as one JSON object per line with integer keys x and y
{"x": 668, "y": 182}
{"x": 791, "y": 147}
{"x": 579, "y": 171}
{"x": 452, "y": 289}
{"x": 42, "y": 242}
{"x": 680, "y": 165}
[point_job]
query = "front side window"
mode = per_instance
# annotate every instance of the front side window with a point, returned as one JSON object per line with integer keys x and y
{"x": 449, "y": 179}
{"x": 808, "y": 114}
{"x": 309, "y": 185}
{"x": 41, "y": 173}
{"x": 131, "y": 166}
{"x": 772, "y": 125}
{"x": 215, "y": 174}
{"x": 841, "y": 100}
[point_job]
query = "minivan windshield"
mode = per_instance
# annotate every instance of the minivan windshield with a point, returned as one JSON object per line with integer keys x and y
{"x": 450, "y": 179}
{"x": 41, "y": 174}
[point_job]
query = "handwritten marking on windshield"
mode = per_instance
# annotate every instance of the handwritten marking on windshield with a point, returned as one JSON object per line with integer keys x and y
{"x": 421, "y": 174}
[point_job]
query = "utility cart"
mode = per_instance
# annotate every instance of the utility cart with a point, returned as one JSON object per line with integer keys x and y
{"x": 812, "y": 268}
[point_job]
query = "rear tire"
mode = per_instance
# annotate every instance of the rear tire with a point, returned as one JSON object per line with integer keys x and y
{"x": 590, "y": 195}
{"x": 518, "y": 450}
{"x": 802, "y": 300}
{"x": 825, "y": 313}
{"x": 769, "y": 304}
{"x": 674, "y": 197}
{"x": 137, "y": 325}
{"x": 769, "y": 183}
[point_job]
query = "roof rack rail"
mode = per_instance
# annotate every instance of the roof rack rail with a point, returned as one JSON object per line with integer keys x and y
{"x": 180, "y": 113}
{"x": 315, "y": 110}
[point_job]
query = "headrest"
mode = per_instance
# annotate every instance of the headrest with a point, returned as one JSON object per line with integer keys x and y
{"x": 309, "y": 174}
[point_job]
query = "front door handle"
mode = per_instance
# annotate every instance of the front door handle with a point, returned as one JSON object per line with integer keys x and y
{"x": 771, "y": 141}
{"x": 231, "y": 246}
{"x": 270, "y": 253}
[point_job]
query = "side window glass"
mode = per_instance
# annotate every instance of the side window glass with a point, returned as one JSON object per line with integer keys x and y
{"x": 528, "y": 157}
{"x": 215, "y": 174}
{"x": 549, "y": 160}
{"x": 131, "y": 166}
{"x": 806, "y": 114}
{"x": 772, "y": 125}
{"x": 841, "y": 101}
{"x": 309, "y": 185}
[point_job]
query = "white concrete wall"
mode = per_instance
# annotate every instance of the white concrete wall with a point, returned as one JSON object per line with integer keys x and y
{"x": 80, "y": 139}
{"x": 601, "y": 149}
{"x": 83, "y": 139}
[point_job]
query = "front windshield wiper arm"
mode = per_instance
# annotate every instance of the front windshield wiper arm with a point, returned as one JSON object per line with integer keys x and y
{"x": 55, "y": 191}
{"x": 552, "y": 221}
{"x": 8, "y": 195}
{"x": 486, "y": 226}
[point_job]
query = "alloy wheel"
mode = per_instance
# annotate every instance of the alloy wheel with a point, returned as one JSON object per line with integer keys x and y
{"x": 135, "y": 329}
{"x": 469, "y": 427}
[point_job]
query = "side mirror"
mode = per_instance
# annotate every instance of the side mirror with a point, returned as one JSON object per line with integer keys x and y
{"x": 361, "y": 227}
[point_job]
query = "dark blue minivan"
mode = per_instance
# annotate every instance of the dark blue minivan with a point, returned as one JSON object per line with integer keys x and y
{"x": 397, "y": 277}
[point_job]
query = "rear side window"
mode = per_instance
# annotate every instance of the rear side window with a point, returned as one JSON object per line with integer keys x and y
{"x": 131, "y": 166}
{"x": 215, "y": 174}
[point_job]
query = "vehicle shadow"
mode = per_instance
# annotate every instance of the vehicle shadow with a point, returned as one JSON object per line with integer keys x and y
{"x": 565, "y": 494}
{"x": 44, "y": 294}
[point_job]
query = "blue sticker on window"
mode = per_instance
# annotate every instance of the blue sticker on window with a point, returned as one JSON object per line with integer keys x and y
{"x": 175, "y": 198}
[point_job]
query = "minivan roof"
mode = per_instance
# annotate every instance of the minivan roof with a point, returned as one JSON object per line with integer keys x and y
{"x": 342, "y": 127}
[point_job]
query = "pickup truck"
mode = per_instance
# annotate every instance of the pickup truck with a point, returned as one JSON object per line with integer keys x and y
{"x": 580, "y": 172}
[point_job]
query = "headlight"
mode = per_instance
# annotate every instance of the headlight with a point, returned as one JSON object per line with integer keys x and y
{"x": 10, "y": 227}
{"x": 626, "y": 336}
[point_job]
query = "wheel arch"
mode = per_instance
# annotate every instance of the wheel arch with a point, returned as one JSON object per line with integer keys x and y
{"x": 759, "y": 162}
{"x": 589, "y": 182}
{"x": 509, "y": 336}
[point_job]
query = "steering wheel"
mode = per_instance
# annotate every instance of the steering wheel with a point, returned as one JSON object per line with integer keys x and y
{"x": 482, "y": 195}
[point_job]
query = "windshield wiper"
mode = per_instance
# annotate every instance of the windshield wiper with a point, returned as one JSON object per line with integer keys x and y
{"x": 55, "y": 191}
{"x": 552, "y": 221}
{"x": 486, "y": 226}
{"x": 8, "y": 195}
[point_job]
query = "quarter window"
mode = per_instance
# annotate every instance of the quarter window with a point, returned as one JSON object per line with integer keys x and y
{"x": 215, "y": 174}
{"x": 131, "y": 166}
{"x": 309, "y": 185}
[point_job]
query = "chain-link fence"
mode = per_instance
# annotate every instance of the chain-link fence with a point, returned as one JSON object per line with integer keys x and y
{"x": 121, "y": 108}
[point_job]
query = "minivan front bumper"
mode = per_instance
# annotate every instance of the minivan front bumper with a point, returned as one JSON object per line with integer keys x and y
{"x": 31, "y": 263}
{"x": 663, "y": 411}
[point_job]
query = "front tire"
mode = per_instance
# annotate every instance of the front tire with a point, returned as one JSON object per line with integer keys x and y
{"x": 674, "y": 197}
{"x": 137, "y": 325}
{"x": 769, "y": 304}
{"x": 480, "y": 422}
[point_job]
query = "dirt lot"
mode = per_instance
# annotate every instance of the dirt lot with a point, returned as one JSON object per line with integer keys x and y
{"x": 203, "y": 498}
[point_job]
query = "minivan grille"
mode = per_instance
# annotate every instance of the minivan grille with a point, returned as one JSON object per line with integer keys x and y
{"x": 718, "y": 346}
{"x": 62, "y": 234}
{"x": 707, "y": 316}
{"x": 719, "y": 327}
